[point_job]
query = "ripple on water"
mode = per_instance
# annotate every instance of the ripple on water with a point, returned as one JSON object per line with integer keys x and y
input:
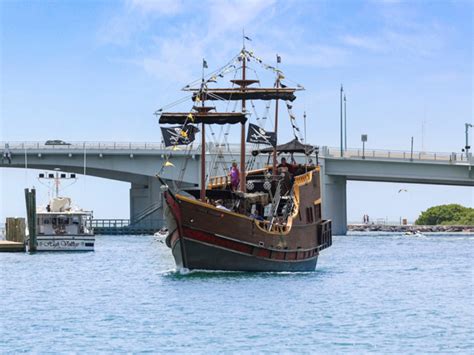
{"x": 370, "y": 293}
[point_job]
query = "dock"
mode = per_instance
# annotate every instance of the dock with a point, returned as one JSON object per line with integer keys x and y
{"x": 7, "y": 246}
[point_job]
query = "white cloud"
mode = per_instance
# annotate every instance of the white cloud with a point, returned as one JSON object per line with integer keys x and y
{"x": 365, "y": 42}
{"x": 160, "y": 7}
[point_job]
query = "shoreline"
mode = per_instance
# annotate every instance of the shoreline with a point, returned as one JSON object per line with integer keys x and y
{"x": 409, "y": 228}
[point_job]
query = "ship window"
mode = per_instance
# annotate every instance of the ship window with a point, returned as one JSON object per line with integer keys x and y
{"x": 46, "y": 221}
{"x": 309, "y": 215}
{"x": 317, "y": 211}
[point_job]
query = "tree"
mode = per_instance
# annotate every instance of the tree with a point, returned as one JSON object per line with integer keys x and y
{"x": 447, "y": 214}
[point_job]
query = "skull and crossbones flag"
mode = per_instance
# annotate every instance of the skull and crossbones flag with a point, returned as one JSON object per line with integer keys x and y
{"x": 178, "y": 135}
{"x": 256, "y": 134}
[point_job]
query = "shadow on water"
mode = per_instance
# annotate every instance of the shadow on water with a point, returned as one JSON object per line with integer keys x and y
{"x": 185, "y": 274}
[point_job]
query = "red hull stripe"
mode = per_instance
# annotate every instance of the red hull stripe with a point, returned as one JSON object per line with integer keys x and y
{"x": 245, "y": 248}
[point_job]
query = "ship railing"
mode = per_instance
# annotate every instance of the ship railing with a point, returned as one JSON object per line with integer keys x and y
{"x": 276, "y": 227}
{"x": 224, "y": 180}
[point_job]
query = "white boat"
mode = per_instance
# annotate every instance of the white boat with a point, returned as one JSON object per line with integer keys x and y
{"x": 62, "y": 227}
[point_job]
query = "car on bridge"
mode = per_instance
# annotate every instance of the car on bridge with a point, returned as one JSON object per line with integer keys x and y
{"x": 56, "y": 142}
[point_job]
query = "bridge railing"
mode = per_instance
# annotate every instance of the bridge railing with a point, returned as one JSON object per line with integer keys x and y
{"x": 395, "y": 155}
{"x": 233, "y": 148}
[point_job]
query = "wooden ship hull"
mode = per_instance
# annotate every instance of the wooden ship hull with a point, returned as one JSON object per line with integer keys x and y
{"x": 202, "y": 236}
{"x": 261, "y": 220}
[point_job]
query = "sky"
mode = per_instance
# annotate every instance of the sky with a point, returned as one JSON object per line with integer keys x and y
{"x": 97, "y": 70}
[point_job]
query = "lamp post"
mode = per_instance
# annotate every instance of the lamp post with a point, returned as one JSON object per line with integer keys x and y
{"x": 342, "y": 147}
{"x": 363, "y": 138}
{"x": 345, "y": 124}
{"x": 467, "y": 146}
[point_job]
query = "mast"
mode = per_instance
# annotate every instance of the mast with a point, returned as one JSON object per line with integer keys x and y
{"x": 203, "y": 163}
{"x": 203, "y": 145}
{"x": 276, "y": 121}
{"x": 243, "y": 179}
{"x": 56, "y": 183}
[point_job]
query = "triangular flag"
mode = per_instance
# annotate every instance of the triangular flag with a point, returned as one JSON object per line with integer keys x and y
{"x": 168, "y": 163}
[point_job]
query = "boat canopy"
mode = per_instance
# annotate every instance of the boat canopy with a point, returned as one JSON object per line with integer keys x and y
{"x": 294, "y": 146}
{"x": 203, "y": 117}
{"x": 287, "y": 94}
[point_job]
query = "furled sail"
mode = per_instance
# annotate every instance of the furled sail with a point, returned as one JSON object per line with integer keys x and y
{"x": 287, "y": 94}
{"x": 205, "y": 117}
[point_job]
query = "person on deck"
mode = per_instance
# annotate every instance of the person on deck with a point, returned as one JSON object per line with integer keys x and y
{"x": 234, "y": 177}
{"x": 284, "y": 167}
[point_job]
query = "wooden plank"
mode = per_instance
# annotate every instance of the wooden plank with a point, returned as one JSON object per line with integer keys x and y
{"x": 7, "y": 246}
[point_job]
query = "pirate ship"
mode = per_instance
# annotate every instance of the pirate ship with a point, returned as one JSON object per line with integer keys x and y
{"x": 272, "y": 221}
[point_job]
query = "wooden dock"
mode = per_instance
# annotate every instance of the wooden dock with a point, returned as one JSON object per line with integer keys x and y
{"x": 7, "y": 246}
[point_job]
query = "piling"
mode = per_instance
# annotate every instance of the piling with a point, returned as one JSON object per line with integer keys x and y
{"x": 30, "y": 199}
{"x": 15, "y": 229}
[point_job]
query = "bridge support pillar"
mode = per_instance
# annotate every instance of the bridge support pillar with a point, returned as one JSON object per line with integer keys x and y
{"x": 334, "y": 202}
{"x": 146, "y": 202}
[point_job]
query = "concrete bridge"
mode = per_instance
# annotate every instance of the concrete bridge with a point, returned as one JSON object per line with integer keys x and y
{"x": 138, "y": 163}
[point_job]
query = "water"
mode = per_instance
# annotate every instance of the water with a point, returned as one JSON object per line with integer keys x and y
{"x": 370, "y": 293}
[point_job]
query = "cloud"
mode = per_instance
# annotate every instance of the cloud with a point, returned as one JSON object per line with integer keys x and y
{"x": 402, "y": 30}
{"x": 135, "y": 17}
{"x": 364, "y": 42}
{"x": 156, "y": 7}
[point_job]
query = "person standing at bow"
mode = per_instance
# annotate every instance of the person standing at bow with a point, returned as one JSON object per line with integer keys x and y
{"x": 234, "y": 177}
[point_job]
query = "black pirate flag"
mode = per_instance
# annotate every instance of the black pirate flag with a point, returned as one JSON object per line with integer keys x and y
{"x": 178, "y": 135}
{"x": 256, "y": 134}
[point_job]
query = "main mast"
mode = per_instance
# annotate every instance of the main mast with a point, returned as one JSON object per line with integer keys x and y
{"x": 242, "y": 135}
{"x": 203, "y": 147}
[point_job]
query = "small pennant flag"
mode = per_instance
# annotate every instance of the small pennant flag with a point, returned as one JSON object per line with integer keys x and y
{"x": 278, "y": 59}
{"x": 204, "y": 64}
{"x": 247, "y": 38}
{"x": 168, "y": 163}
{"x": 191, "y": 117}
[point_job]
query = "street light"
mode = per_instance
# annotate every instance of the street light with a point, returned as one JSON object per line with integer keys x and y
{"x": 363, "y": 138}
{"x": 467, "y": 146}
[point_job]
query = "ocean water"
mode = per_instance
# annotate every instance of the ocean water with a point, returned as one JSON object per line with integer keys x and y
{"x": 370, "y": 293}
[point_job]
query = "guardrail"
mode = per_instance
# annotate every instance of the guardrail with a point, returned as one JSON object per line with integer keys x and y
{"x": 124, "y": 226}
{"x": 325, "y": 152}
{"x": 453, "y": 157}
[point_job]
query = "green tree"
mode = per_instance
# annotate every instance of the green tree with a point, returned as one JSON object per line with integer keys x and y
{"x": 447, "y": 214}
